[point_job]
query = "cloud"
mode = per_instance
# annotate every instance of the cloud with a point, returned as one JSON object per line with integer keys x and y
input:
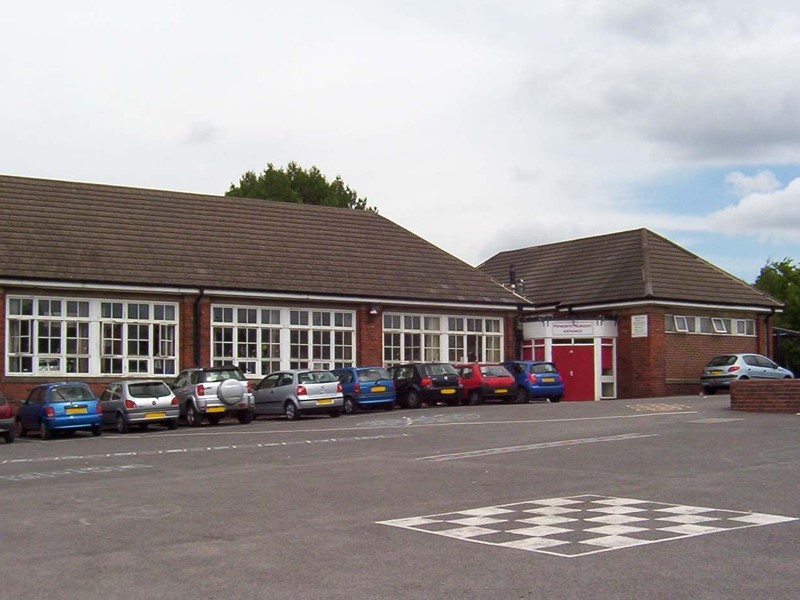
{"x": 763, "y": 181}
{"x": 768, "y": 215}
{"x": 201, "y": 132}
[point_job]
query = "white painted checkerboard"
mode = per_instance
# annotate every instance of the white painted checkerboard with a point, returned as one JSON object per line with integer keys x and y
{"x": 580, "y": 525}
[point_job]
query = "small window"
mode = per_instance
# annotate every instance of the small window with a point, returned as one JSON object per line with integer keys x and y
{"x": 719, "y": 325}
{"x": 680, "y": 325}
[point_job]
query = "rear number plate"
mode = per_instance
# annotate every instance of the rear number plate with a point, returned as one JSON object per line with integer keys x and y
{"x": 215, "y": 409}
{"x": 154, "y": 415}
{"x": 449, "y": 391}
{"x": 501, "y": 391}
{"x": 379, "y": 388}
{"x": 548, "y": 379}
{"x": 717, "y": 372}
{"x": 77, "y": 411}
{"x": 325, "y": 402}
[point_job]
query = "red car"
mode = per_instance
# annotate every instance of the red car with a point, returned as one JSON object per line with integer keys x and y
{"x": 484, "y": 381}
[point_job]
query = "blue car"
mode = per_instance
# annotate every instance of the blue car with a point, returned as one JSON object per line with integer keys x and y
{"x": 536, "y": 379}
{"x": 54, "y": 407}
{"x": 366, "y": 386}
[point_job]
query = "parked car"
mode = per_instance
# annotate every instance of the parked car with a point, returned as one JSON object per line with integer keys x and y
{"x": 366, "y": 386}
{"x": 536, "y": 379}
{"x": 420, "y": 383}
{"x": 61, "y": 406}
{"x": 139, "y": 402}
{"x": 483, "y": 381}
{"x": 299, "y": 392}
{"x": 722, "y": 369}
{"x": 213, "y": 393}
{"x": 6, "y": 419}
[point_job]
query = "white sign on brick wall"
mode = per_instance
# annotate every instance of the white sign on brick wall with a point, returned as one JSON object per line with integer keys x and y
{"x": 639, "y": 326}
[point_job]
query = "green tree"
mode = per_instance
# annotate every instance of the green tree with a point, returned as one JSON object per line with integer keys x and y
{"x": 781, "y": 280}
{"x": 295, "y": 184}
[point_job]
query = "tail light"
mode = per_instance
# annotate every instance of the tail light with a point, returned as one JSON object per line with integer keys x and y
{"x": 49, "y": 411}
{"x": 532, "y": 378}
{"x": 302, "y": 391}
{"x": 356, "y": 388}
{"x": 5, "y": 411}
{"x": 201, "y": 391}
{"x": 130, "y": 403}
{"x": 249, "y": 387}
{"x": 100, "y": 406}
{"x": 426, "y": 382}
{"x": 174, "y": 401}
{"x": 339, "y": 388}
{"x": 733, "y": 369}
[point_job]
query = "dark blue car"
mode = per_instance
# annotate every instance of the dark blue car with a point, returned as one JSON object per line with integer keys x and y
{"x": 536, "y": 380}
{"x": 366, "y": 386}
{"x": 60, "y": 407}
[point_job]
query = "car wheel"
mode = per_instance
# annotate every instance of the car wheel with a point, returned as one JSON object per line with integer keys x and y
{"x": 9, "y": 435}
{"x": 214, "y": 420}
{"x": 412, "y": 399}
{"x": 246, "y": 417}
{"x": 710, "y": 391}
{"x": 44, "y": 431}
{"x": 97, "y": 430}
{"x": 291, "y": 412}
{"x": 555, "y": 399}
{"x": 336, "y": 412}
{"x": 521, "y": 396}
{"x": 122, "y": 424}
{"x": 21, "y": 429}
{"x": 193, "y": 416}
{"x": 474, "y": 398}
{"x": 350, "y": 405}
{"x": 172, "y": 424}
{"x": 389, "y": 406}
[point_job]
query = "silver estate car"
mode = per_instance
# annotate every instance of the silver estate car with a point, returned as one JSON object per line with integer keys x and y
{"x": 299, "y": 392}
{"x": 723, "y": 369}
{"x": 213, "y": 393}
{"x": 139, "y": 402}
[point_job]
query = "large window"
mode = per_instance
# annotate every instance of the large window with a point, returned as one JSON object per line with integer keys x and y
{"x": 264, "y": 339}
{"x": 433, "y": 338}
{"x": 709, "y": 325}
{"x": 59, "y": 336}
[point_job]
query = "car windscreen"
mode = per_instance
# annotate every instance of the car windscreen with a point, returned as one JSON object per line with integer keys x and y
{"x": 543, "y": 368}
{"x": 722, "y": 361}
{"x": 72, "y": 393}
{"x": 223, "y": 374}
{"x": 316, "y": 377}
{"x": 373, "y": 374}
{"x": 494, "y": 371}
{"x": 440, "y": 369}
{"x": 148, "y": 389}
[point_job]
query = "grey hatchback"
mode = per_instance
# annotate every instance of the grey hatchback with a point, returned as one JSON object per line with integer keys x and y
{"x": 721, "y": 370}
{"x": 299, "y": 392}
{"x": 139, "y": 402}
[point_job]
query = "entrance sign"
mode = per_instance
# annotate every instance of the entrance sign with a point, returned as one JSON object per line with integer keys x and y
{"x": 639, "y": 326}
{"x": 573, "y": 328}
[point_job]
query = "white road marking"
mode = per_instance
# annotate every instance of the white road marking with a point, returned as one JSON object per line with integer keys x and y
{"x": 539, "y": 446}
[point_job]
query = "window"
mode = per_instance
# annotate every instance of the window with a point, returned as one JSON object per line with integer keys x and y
{"x": 67, "y": 336}
{"x": 709, "y": 325}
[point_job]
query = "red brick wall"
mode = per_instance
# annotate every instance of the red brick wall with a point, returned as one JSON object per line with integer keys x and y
{"x": 509, "y": 337}
{"x": 641, "y": 367}
{"x": 369, "y": 329}
{"x": 777, "y": 396}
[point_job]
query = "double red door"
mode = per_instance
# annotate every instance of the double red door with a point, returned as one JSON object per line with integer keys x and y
{"x": 576, "y": 366}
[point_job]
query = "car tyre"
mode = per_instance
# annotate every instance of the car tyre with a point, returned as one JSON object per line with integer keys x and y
{"x": 291, "y": 412}
{"x": 9, "y": 435}
{"x": 44, "y": 431}
{"x": 122, "y": 424}
{"x": 336, "y": 412}
{"x": 246, "y": 417}
{"x": 475, "y": 398}
{"x": 412, "y": 399}
{"x": 350, "y": 405}
{"x": 521, "y": 397}
{"x": 172, "y": 424}
{"x": 214, "y": 420}
{"x": 97, "y": 430}
{"x": 193, "y": 416}
{"x": 555, "y": 399}
{"x": 21, "y": 431}
{"x": 389, "y": 405}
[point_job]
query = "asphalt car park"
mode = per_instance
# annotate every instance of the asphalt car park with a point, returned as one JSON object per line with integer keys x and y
{"x": 489, "y": 501}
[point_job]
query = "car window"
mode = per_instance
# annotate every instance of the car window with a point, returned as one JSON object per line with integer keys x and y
{"x": 223, "y": 374}
{"x": 36, "y": 396}
{"x": 148, "y": 389}
{"x": 106, "y": 397}
{"x": 316, "y": 377}
{"x": 763, "y": 361}
{"x": 543, "y": 368}
{"x": 751, "y": 360}
{"x": 518, "y": 368}
{"x": 285, "y": 379}
{"x": 269, "y": 381}
{"x": 722, "y": 361}
{"x": 464, "y": 372}
{"x": 180, "y": 381}
{"x": 71, "y": 393}
{"x": 440, "y": 369}
{"x": 494, "y": 371}
{"x": 403, "y": 372}
{"x": 373, "y": 374}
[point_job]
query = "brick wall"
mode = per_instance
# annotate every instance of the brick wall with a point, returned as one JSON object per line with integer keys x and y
{"x": 641, "y": 363}
{"x": 686, "y": 354}
{"x": 776, "y": 396}
{"x": 369, "y": 329}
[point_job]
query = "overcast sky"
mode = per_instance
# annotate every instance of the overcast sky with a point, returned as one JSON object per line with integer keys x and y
{"x": 480, "y": 126}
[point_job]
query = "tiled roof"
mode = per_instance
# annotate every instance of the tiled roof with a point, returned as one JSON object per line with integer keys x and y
{"x": 89, "y": 233}
{"x": 621, "y": 267}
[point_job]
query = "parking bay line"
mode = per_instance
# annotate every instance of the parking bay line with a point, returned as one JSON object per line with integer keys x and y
{"x": 539, "y": 446}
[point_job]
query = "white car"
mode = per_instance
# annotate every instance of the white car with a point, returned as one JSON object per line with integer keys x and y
{"x": 723, "y": 369}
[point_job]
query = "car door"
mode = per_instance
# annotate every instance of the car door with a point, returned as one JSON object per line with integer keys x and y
{"x": 755, "y": 370}
{"x": 284, "y": 390}
{"x": 29, "y": 411}
{"x": 105, "y": 402}
{"x": 770, "y": 368}
{"x": 264, "y": 395}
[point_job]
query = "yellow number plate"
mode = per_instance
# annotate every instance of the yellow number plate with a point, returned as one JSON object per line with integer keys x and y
{"x": 215, "y": 409}
{"x": 154, "y": 415}
{"x": 325, "y": 402}
{"x": 717, "y": 372}
{"x": 503, "y": 391}
{"x": 548, "y": 379}
{"x": 379, "y": 388}
{"x": 448, "y": 391}
{"x": 76, "y": 411}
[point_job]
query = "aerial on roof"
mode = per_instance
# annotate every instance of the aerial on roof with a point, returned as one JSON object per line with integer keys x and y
{"x": 621, "y": 267}
{"x": 78, "y": 232}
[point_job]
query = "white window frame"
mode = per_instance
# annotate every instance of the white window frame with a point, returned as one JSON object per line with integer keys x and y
{"x": 718, "y": 325}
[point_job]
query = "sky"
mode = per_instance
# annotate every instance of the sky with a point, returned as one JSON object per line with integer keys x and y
{"x": 480, "y": 126}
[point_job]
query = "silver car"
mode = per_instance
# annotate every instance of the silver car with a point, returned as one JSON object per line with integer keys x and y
{"x": 723, "y": 369}
{"x": 139, "y": 402}
{"x": 212, "y": 393}
{"x": 299, "y": 392}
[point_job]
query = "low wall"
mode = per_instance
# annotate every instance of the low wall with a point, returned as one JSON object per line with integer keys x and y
{"x": 775, "y": 396}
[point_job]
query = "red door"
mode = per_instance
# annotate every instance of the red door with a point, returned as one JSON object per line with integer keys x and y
{"x": 576, "y": 366}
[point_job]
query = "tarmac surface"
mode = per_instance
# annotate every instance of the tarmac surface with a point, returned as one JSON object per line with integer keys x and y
{"x": 648, "y": 499}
